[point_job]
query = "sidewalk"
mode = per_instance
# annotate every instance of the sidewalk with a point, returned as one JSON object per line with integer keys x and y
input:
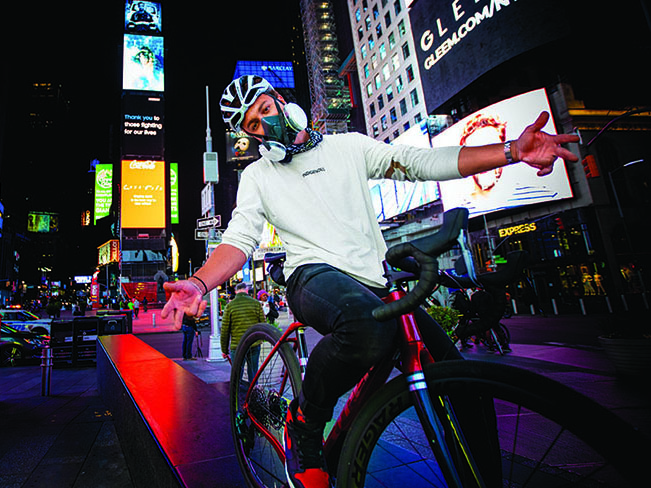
{"x": 68, "y": 439}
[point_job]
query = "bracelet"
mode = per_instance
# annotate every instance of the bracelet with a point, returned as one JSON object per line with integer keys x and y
{"x": 200, "y": 281}
{"x": 507, "y": 153}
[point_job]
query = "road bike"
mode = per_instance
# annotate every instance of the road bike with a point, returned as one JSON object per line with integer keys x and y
{"x": 413, "y": 422}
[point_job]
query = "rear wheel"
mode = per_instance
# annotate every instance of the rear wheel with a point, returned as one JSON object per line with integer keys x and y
{"x": 549, "y": 435}
{"x": 258, "y": 410}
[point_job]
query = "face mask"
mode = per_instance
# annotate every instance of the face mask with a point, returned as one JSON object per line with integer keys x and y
{"x": 281, "y": 130}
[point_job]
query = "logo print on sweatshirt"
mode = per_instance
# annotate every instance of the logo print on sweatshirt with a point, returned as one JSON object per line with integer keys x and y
{"x": 313, "y": 172}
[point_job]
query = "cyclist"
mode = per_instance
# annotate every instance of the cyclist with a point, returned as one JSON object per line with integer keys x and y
{"x": 324, "y": 216}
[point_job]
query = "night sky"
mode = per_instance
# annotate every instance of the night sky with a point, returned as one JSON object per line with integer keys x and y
{"x": 79, "y": 46}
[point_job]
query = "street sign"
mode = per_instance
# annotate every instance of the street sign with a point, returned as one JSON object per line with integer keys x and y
{"x": 201, "y": 235}
{"x": 209, "y": 222}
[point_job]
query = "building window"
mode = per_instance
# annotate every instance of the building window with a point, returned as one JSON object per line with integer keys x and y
{"x": 376, "y": 131}
{"x": 389, "y": 93}
{"x": 396, "y": 133}
{"x": 383, "y": 122}
{"x": 372, "y": 110}
{"x": 387, "y": 19}
{"x": 405, "y": 50}
{"x": 366, "y": 71}
{"x": 406, "y": 126}
{"x": 367, "y": 21}
{"x": 380, "y": 102}
{"x": 371, "y": 42}
{"x": 369, "y": 90}
{"x": 360, "y": 33}
{"x": 403, "y": 107}
{"x": 401, "y": 28}
{"x": 393, "y": 115}
{"x": 386, "y": 72}
{"x": 399, "y": 85}
{"x": 383, "y": 51}
{"x": 374, "y": 61}
{"x": 410, "y": 74}
{"x": 378, "y": 81}
{"x": 414, "y": 97}
{"x": 392, "y": 40}
{"x": 376, "y": 12}
{"x": 358, "y": 15}
{"x": 397, "y": 7}
{"x": 378, "y": 30}
{"x": 395, "y": 61}
{"x": 363, "y": 51}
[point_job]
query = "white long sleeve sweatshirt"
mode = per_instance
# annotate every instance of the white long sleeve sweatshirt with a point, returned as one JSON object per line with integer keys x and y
{"x": 320, "y": 203}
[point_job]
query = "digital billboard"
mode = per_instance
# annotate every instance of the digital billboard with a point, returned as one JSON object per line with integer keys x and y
{"x": 241, "y": 148}
{"x": 511, "y": 186}
{"x": 390, "y": 197}
{"x": 279, "y": 73}
{"x": 144, "y": 66}
{"x": 109, "y": 252}
{"x": 174, "y": 193}
{"x": 103, "y": 191}
{"x": 42, "y": 222}
{"x": 142, "y": 17}
{"x": 457, "y": 42}
{"x": 143, "y": 126}
{"x": 143, "y": 194}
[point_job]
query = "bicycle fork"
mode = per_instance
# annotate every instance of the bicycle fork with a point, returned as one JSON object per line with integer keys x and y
{"x": 417, "y": 357}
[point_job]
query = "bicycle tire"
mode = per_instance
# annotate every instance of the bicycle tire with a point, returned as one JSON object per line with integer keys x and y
{"x": 384, "y": 449}
{"x": 276, "y": 385}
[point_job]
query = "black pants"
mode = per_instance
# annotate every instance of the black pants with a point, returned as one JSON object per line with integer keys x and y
{"x": 340, "y": 308}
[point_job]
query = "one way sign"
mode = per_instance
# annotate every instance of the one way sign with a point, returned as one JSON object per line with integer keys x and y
{"x": 209, "y": 222}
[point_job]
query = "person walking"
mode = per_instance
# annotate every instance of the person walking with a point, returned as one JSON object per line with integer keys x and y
{"x": 334, "y": 245}
{"x": 189, "y": 331}
{"x": 136, "y": 306}
{"x": 241, "y": 313}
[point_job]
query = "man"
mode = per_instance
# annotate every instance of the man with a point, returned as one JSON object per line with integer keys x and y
{"x": 314, "y": 190}
{"x": 240, "y": 314}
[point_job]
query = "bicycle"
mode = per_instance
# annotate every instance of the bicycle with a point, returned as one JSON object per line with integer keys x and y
{"x": 413, "y": 426}
{"x": 480, "y": 313}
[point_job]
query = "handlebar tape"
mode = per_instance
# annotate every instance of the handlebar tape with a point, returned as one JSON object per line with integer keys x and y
{"x": 425, "y": 252}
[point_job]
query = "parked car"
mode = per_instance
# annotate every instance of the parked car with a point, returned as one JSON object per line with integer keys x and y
{"x": 21, "y": 319}
{"x": 16, "y": 345}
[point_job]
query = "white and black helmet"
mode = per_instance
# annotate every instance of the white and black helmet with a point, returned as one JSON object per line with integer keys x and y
{"x": 239, "y": 95}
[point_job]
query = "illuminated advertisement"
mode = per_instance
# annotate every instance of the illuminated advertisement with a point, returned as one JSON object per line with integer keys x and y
{"x": 42, "y": 222}
{"x": 457, "y": 42}
{"x": 109, "y": 252}
{"x": 142, "y": 17}
{"x": 390, "y": 197}
{"x": 103, "y": 191}
{"x": 511, "y": 186}
{"x": 279, "y": 73}
{"x": 143, "y": 63}
{"x": 143, "y": 194}
{"x": 241, "y": 148}
{"x": 174, "y": 193}
{"x": 142, "y": 126}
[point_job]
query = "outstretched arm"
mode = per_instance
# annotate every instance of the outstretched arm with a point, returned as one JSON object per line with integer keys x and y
{"x": 534, "y": 147}
{"x": 187, "y": 295}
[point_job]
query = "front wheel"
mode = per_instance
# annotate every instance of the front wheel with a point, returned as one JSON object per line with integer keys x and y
{"x": 549, "y": 435}
{"x": 261, "y": 387}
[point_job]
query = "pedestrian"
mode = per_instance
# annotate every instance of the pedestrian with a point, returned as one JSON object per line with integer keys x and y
{"x": 242, "y": 312}
{"x": 144, "y": 304}
{"x": 190, "y": 330}
{"x": 325, "y": 218}
{"x": 268, "y": 307}
{"x": 136, "y": 306}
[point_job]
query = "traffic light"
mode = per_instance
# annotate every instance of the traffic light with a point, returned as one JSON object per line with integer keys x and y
{"x": 590, "y": 167}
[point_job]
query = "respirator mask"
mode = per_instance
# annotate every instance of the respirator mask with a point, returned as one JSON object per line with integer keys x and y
{"x": 280, "y": 131}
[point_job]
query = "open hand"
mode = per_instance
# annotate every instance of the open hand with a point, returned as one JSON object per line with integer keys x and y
{"x": 185, "y": 298}
{"x": 539, "y": 149}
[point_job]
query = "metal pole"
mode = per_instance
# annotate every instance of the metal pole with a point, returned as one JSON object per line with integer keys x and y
{"x": 46, "y": 370}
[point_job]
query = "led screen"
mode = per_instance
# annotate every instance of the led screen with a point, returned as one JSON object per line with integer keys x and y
{"x": 143, "y": 194}
{"x": 103, "y": 191}
{"x": 42, "y": 222}
{"x": 241, "y": 148}
{"x": 391, "y": 198}
{"x": 279, "y": 73}
{"x": 514, "y": 185}
{"x": 142, "y": 17}
{"x": 143, "y": 63}
{"x": 458, "y": 41}
{"x": 174, "y": 193}
{"x": 143, "y": 126}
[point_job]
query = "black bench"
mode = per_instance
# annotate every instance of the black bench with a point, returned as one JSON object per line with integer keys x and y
{"x": 173, "y": 427}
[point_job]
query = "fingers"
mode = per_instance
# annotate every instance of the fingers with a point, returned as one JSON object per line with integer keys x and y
{"x": 540, "y": 122}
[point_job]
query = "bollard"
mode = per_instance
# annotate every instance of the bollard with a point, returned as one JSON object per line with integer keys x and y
{"x": 153, "y": 319}
{"x": 46, "y": 370}
{"x": 554, "y": 306}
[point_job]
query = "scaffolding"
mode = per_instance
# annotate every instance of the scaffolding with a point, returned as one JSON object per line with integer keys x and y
{"x": 329, "y": 96}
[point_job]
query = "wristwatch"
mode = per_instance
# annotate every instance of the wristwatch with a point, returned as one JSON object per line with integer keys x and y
{"x": 507, "y": 153}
